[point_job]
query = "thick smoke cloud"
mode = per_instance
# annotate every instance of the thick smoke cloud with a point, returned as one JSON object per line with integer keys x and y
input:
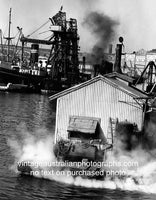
{"x": 38, "y": 149}
{"x": 104, "y": 29}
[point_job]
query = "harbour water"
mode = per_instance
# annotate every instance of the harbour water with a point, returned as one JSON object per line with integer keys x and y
{"x": 34, "y": 115}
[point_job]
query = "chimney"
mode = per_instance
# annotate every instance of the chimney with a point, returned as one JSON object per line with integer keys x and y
{"x": 84, "y": 63}
{"x": 110, "y": 49}
{"x": 117, "y": 64}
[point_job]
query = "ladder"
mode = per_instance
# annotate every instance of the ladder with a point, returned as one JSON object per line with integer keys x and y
{"x": 111, "y": 130}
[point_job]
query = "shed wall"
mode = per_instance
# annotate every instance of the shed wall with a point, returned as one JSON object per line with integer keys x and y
{"x": 100, "y": 100}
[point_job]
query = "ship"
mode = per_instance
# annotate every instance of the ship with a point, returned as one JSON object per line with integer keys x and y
{"x": 17, "y": 75}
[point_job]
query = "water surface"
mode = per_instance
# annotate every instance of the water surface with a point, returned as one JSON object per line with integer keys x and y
{"x": 31, "y": 112}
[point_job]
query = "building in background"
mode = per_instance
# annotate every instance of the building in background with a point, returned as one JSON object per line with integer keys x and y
{"x": 134, "y": 63}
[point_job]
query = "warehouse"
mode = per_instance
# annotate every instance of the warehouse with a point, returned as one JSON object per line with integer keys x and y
{"x": 102, "y": 98}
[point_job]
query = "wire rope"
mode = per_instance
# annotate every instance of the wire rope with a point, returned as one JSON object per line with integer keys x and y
{"x": 38, "y": 28}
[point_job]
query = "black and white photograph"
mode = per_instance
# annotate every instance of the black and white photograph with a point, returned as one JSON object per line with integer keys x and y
{"x": 77, "y": 100}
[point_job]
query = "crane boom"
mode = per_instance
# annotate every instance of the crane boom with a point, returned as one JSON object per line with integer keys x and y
{"x": 37, "y": 41}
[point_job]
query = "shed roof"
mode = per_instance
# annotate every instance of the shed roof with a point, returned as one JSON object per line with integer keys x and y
{"x": 132, "y": 91}
{"x": 83, "y": 124}
{"x": 121, "y": 76}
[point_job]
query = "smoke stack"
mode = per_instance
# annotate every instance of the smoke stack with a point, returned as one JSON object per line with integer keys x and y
{"x": 110, "y": 49}
{"x": 34, "y": 53}
{"x": 117, "y": 64}
{"x": 84, "y": 63}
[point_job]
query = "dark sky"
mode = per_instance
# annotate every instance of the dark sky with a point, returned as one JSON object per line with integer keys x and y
{"x": 136, "y": 19}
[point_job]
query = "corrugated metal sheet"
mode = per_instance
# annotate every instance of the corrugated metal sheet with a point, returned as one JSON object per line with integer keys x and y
{"x": 121, "y": 76}
{"x": 98, "y": 99}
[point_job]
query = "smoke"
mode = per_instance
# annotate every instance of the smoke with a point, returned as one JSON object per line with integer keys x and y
{"x": 38, "y": 148}
{"x": 103, "y": 28}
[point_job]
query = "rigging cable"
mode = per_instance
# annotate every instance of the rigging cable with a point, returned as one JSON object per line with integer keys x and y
{"x": 38, "y": 28}
{"x": 47, "y": 38}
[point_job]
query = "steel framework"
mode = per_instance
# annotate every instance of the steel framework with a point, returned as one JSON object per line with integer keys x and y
{"x": 64, "y": 52}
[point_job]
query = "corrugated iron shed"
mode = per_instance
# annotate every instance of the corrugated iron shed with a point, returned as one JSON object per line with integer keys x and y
{"x": 100, "y": 97}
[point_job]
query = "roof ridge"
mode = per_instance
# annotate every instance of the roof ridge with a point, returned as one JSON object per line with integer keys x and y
{"x": 95, "y": 79}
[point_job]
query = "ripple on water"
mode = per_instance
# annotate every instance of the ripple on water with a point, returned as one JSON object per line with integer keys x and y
{"x": 31, "y": 112}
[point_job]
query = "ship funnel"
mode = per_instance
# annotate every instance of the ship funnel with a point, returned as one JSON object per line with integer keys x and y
{"x": 34, "y": 53}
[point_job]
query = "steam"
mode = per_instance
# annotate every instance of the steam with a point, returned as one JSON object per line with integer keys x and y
{"x": 103, "y": 28}
{"x": 38, "y": 147}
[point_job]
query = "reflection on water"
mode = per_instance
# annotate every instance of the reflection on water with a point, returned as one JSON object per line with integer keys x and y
{"x": 33, "y": 112}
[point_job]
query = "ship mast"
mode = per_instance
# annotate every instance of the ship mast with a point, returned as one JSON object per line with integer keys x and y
{"x": 1, "y": 41}
{"x": 9, "y": 38}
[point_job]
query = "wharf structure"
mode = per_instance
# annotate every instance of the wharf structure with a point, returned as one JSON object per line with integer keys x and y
{"x": 60, "y": 69}
{"x": 103, "y": 97}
